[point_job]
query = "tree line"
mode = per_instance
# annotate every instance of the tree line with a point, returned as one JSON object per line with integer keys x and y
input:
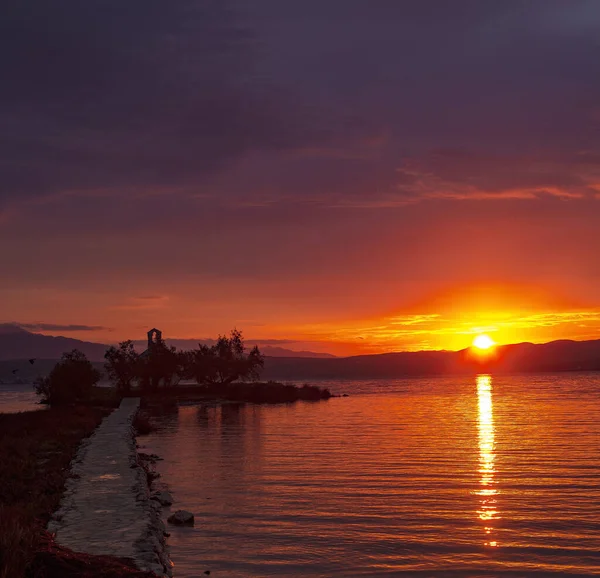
{"x": 160, "y": 366}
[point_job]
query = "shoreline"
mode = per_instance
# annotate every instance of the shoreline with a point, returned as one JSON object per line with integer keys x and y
{"x": 40, "y": 451}
{"x": 155, "y": 539}
{"x": 264, "y": 393}
{"x": 106, "y": 508}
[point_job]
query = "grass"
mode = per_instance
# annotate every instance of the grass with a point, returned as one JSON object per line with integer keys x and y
{"x": 18, "y": 540}
{"x": 36, "y": 449}
{"x": 54, "y": 561}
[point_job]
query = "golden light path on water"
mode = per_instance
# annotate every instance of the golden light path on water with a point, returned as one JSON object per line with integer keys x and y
{"x": 488, "y": 506}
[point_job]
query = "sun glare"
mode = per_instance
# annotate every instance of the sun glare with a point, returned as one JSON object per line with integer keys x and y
{"x": 483, "y": 342}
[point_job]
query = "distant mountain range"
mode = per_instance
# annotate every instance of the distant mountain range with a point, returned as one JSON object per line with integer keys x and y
{"x": 268, "y": 350}
{"x": 19, "y": 344}
{"x": 522, "y": 357}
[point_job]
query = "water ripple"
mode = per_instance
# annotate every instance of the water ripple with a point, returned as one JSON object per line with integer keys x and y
{"x": 428, "y": 477}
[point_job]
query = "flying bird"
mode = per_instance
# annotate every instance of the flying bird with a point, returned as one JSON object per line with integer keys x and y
{"x": 14, "y": 371}
{"x": 32, "y": 361}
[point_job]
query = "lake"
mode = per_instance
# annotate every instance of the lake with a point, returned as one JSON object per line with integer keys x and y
{"x": 18, "y": 397}
{"x": 441, "y": 477}
{"x": 481, "y": 476}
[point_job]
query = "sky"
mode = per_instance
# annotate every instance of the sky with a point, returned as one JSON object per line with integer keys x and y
{"x": 349, "y": 176}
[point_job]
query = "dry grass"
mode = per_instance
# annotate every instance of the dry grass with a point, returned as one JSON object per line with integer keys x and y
{"x": 54, "y": 561}
{"x": 17, "y": 541}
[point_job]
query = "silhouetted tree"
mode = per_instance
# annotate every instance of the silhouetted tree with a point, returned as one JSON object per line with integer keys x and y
{"x": 71, "y": 379}
{"x": 122, "y": 365}
{"x": 160, "y": 364}
{"x": 226, "y": 361}
{"x": 185, "y": 362}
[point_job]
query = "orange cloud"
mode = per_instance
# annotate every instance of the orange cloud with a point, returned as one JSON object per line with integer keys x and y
{"x": 452, "y": 332}
{"x": 508, "y": 313}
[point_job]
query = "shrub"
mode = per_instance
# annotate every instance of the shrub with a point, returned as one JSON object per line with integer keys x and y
{"x": 71, "y": 380}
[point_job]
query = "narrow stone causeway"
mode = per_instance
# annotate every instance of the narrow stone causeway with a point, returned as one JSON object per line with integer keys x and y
{"x": 106, "y": 508}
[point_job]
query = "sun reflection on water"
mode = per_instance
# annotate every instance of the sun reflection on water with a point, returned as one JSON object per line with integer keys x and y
{"x": 487, "y": 511}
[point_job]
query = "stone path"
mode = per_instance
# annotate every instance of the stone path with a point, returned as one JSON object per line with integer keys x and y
{"x": 106, "y": 507}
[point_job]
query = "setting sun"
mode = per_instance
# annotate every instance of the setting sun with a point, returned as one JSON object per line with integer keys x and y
{"x": 483, "y": 342}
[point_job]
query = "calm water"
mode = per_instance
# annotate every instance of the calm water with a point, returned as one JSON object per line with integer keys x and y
{"x": 22, "y": 397}
{"x": 18, "y": 397}
{"x": 437, "y": 477}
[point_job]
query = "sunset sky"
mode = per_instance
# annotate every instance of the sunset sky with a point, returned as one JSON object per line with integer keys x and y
{"x": 341, "y": 176}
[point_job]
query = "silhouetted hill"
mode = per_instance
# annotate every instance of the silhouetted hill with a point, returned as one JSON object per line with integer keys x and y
{"x": 361, "y": 366}
{"x": 563, "y": 355}
{"x": 18, "y": 343}
{"x": 522, "y": 357}
{"x": 272, "y": 351}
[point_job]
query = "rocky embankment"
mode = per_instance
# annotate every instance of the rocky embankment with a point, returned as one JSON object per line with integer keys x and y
{"x": 107, "y": 507}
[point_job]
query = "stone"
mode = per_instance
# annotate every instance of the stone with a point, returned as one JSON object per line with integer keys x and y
{"x": 157, "y": 569}
{"x": 105, "y": 509}
{"x": 163, "y": 498}
{"x": 181, "y": 518}
{"x": 149, "y": 457}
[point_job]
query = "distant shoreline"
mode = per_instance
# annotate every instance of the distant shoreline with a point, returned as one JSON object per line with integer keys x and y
{"x": 253, "y": 392}
{"x": 555, "y": 356}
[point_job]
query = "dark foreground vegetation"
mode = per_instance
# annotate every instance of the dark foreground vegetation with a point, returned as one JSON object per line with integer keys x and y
{"x": 37, "y": 448}
{"x": 269, "y": 392}
{"x": 254, "y": 392}
{"x": 163, "y": 366}
{"x": 224, "y": 371}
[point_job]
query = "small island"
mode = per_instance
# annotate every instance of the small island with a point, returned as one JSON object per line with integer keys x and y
{"x": 224, "y": 371}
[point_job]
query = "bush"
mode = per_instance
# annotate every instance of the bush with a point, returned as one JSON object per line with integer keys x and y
{"x": 270, "y": 392}
{"x": 71, "y": 380}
